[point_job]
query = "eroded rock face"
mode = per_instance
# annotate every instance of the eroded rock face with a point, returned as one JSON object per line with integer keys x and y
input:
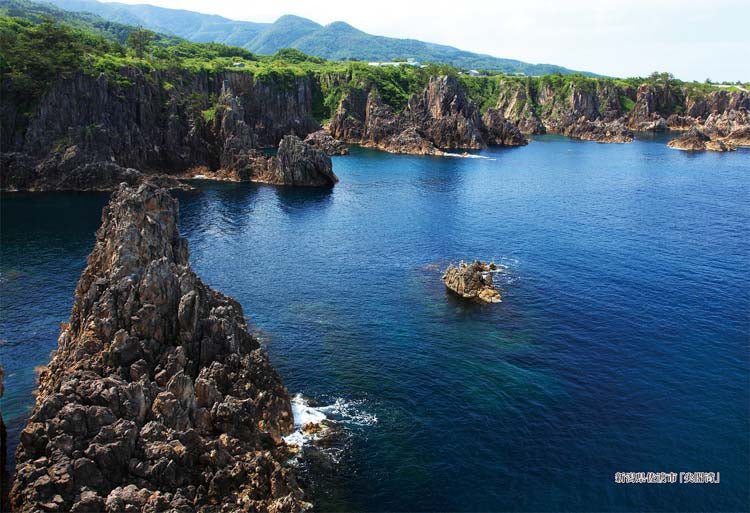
{"x": 501, "y": 132}
{"x": 300, "y": 164}
{"x": 446, "y": 117}
{"x": 439, "y": 118}
{"x": 165, "y": 122}
{"x": 472, "y": 281}
{"x": 70, "y": 171}
{"x": 600, "y": 131}
{"x": 697, "y": 140}
{"x": 157, "y": 398}
{"x": 295, "y": 164}
{"x": 323, "y": 140}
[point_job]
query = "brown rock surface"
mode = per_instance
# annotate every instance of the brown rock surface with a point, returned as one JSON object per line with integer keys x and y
{"x": 501, "y": 132}
{"x": 472, "y": 281}
{"x": 157, "y": 398}
{"x": 323, "y": 140}
{"x": 298, "y": 163}
{"x": 697, "y": 140}
{"x": 600, "y": 131}
{"x": 441, "y": 117}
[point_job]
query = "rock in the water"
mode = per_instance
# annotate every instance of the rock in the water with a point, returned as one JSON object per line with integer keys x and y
{"x": 157, "y": 398}
{"x": 299, "y": 164}
{"x": 323, "y": 140}
{"x": 295, "y": 164}
{"x": 697, "y": 140}
{"x": 472, "y": 281}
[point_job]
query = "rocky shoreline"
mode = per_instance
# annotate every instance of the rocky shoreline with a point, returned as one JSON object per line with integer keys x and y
{"x": 90, "y": 133}
{"x": 157, "y": 398}
{"x": 295, "y": 164}
{"x": 597, "y": 111}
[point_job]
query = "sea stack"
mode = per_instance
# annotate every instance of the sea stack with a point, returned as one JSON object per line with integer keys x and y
{"x": 472, "y": 281}
{"x": 157, "y": 398}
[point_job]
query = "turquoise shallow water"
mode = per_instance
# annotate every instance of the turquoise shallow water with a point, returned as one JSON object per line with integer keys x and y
{"x": 622, "y": 343}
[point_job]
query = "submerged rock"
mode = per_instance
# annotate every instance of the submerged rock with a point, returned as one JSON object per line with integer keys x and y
{"x": 323, "y": 140}
{"x": 697, "y": 140}
{"x": 472, "y": 281}
{"x": 157, "y": 398}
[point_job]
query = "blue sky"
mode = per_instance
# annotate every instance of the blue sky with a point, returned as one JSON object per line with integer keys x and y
{"x": 692, "y": 39}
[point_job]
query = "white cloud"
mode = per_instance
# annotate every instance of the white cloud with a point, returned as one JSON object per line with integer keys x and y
{"x": 692, "y": 39}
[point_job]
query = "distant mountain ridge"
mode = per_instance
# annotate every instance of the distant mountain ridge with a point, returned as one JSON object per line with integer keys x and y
{"x": 336, "y": 41}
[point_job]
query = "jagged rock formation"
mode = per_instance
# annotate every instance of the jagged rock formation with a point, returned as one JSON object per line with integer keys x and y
{"x": 92, "y": 133}
{"x": 501, "y": 132}
{"x": 323, "y": 140}
{"x": 590, "y": 113}
{"x": 599, "y": 131}
{"x": 295, "y": 164}
{"x": 595, "y": 110}
{"x": 158, "y": 398}
{"x": 472, "y": 281}
{"x": 70, "y": 171}
{"x": 299, "y": 164}
{"x": 439, "y": 118}
{"x": 696, "y": 140}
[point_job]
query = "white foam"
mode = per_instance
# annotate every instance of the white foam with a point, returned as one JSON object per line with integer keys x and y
{"x": 304, "y": 414}
{"x": 467, "y": 156}
{"x": 340, "y": 411}
{"x": 349, "y": 412}
{"x": 200, "y": 177}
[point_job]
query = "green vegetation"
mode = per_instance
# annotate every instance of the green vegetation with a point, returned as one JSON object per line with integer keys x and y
{"x": 626, "y": 103}
{"x": 209, "y": 114}
{"x": 40, "y": 44}
{"x": 337, "y": 41}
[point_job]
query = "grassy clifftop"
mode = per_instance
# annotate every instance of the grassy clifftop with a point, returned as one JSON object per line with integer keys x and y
{"x": 41, "y": 44}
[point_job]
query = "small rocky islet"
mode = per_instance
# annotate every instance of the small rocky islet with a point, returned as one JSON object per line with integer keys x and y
{"x": 473, "y": 281}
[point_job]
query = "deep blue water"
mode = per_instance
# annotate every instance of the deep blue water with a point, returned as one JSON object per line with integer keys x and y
{"x": 622, "y": 343}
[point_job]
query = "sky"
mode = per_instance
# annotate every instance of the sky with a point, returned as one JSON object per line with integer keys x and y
{"x": 692, "y": 39}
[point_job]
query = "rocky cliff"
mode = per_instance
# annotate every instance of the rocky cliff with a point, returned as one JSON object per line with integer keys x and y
{"x": 296, "y": 164}
{"x": 155, "y": 122}
{"x": 439, "y": 118}
{"x": 157, "y": 398}
{"x": 601, "y": 110}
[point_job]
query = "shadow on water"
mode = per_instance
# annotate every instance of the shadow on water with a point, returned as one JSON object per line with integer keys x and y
{"x": 297, "y": 199}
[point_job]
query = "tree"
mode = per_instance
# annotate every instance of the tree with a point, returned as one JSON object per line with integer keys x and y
{"x": 139, "y": 40}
